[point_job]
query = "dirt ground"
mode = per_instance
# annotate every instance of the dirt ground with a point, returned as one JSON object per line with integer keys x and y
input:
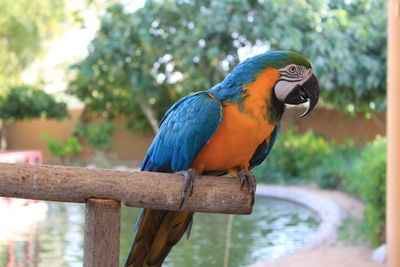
{"x": 336, "y": 254}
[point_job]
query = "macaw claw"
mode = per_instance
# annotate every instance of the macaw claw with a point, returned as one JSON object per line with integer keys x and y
{"x": 250, "y": 178}
{"x": 189, "y": 177}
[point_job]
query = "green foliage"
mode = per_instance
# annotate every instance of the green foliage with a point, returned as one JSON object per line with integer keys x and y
{"x": 25, "y": 25}
{"x": 168, "y": 49}
{"x": 294, "y": 157}
{"x": 149, "y": 57}
{"x": 310, "y": 158}
{"x": 99, "y": 135}
{"x": 346, "y": 41}
{"x": 61, "y": 149}
{"x": 334, "y": 167}
{"x": 367, "y": 180}
{"x": 27, "y": 102}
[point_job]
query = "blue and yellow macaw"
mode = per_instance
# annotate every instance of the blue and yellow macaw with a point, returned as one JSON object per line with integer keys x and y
{"x": 227, "y": 129}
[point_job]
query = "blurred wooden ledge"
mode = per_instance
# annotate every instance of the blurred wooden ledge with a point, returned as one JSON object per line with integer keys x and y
{"x": 136, "y": 189}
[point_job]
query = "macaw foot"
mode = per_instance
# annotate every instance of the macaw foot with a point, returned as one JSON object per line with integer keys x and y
{"x": 188, "y": 184}
{"x": 250, "y": 178}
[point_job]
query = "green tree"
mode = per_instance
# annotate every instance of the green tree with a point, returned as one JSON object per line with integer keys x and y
{"x": 27, "y": 102}
{"x": 137, "y": 67}
{"x": 346, "y": 40}
{"x": 140, "y": 63}
{"x": 25, "y": 26}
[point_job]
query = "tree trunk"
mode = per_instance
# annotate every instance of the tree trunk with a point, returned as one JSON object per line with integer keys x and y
{"x": 3, "y": 135}
{"x": 149, "y": 113}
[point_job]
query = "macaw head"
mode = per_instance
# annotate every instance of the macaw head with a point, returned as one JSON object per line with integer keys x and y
{"x": 287, "y": 76}
{"x": 297, "y": 83}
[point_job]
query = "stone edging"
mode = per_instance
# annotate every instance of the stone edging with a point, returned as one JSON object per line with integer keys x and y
{"x": 329, "y": 212}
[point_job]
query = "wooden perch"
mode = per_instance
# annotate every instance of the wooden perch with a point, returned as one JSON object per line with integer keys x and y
{"x": 136, "y": 189}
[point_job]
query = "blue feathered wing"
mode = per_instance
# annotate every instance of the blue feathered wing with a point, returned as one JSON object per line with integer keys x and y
{"x": 184, "y": 130}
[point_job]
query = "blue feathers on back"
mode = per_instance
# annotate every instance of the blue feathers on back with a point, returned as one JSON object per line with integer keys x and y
{"x": 184, "y": 130}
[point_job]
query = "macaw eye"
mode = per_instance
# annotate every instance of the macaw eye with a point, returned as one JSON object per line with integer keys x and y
{"x": 292, "y": 69}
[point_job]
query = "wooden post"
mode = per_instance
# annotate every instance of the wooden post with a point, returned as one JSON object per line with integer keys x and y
{"x": 393, "y": 133}
{"x": 102, "y": 226}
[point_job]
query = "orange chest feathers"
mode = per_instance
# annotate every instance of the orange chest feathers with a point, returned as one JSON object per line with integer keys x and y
{"x": 241, "y": 131}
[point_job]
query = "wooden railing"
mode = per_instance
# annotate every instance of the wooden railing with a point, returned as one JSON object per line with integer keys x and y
{"x": 104, "y": 190}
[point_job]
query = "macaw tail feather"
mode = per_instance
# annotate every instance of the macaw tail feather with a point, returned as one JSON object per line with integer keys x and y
{"x": 157, "y": 231}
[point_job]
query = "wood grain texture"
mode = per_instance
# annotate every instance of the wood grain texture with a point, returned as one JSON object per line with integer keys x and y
{"x": 102, "y": 226}
{"x": 137, "y": 189}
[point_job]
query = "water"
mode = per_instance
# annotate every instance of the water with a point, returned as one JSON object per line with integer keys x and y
{"x": 275, "y": 228}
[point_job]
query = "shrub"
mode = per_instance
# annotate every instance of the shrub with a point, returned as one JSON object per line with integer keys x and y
{"x": 334, "y": 168}
{"x": 63, "y": 150}
{"x": 28, "y": 102}
{"x": 294, "y": 158}
{"x": 367, "y": 180}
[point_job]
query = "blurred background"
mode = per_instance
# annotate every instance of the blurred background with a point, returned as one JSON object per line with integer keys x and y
{"x": 85, "y": 83}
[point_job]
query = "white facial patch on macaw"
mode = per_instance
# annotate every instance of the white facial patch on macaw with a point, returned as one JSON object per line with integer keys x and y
{"x": 291, "y": 76}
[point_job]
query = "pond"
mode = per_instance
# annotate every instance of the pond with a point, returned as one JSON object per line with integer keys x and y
{"x": 275, "y": 228}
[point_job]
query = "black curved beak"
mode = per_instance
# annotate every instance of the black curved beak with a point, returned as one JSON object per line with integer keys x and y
{"x": 309, "y": 91}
